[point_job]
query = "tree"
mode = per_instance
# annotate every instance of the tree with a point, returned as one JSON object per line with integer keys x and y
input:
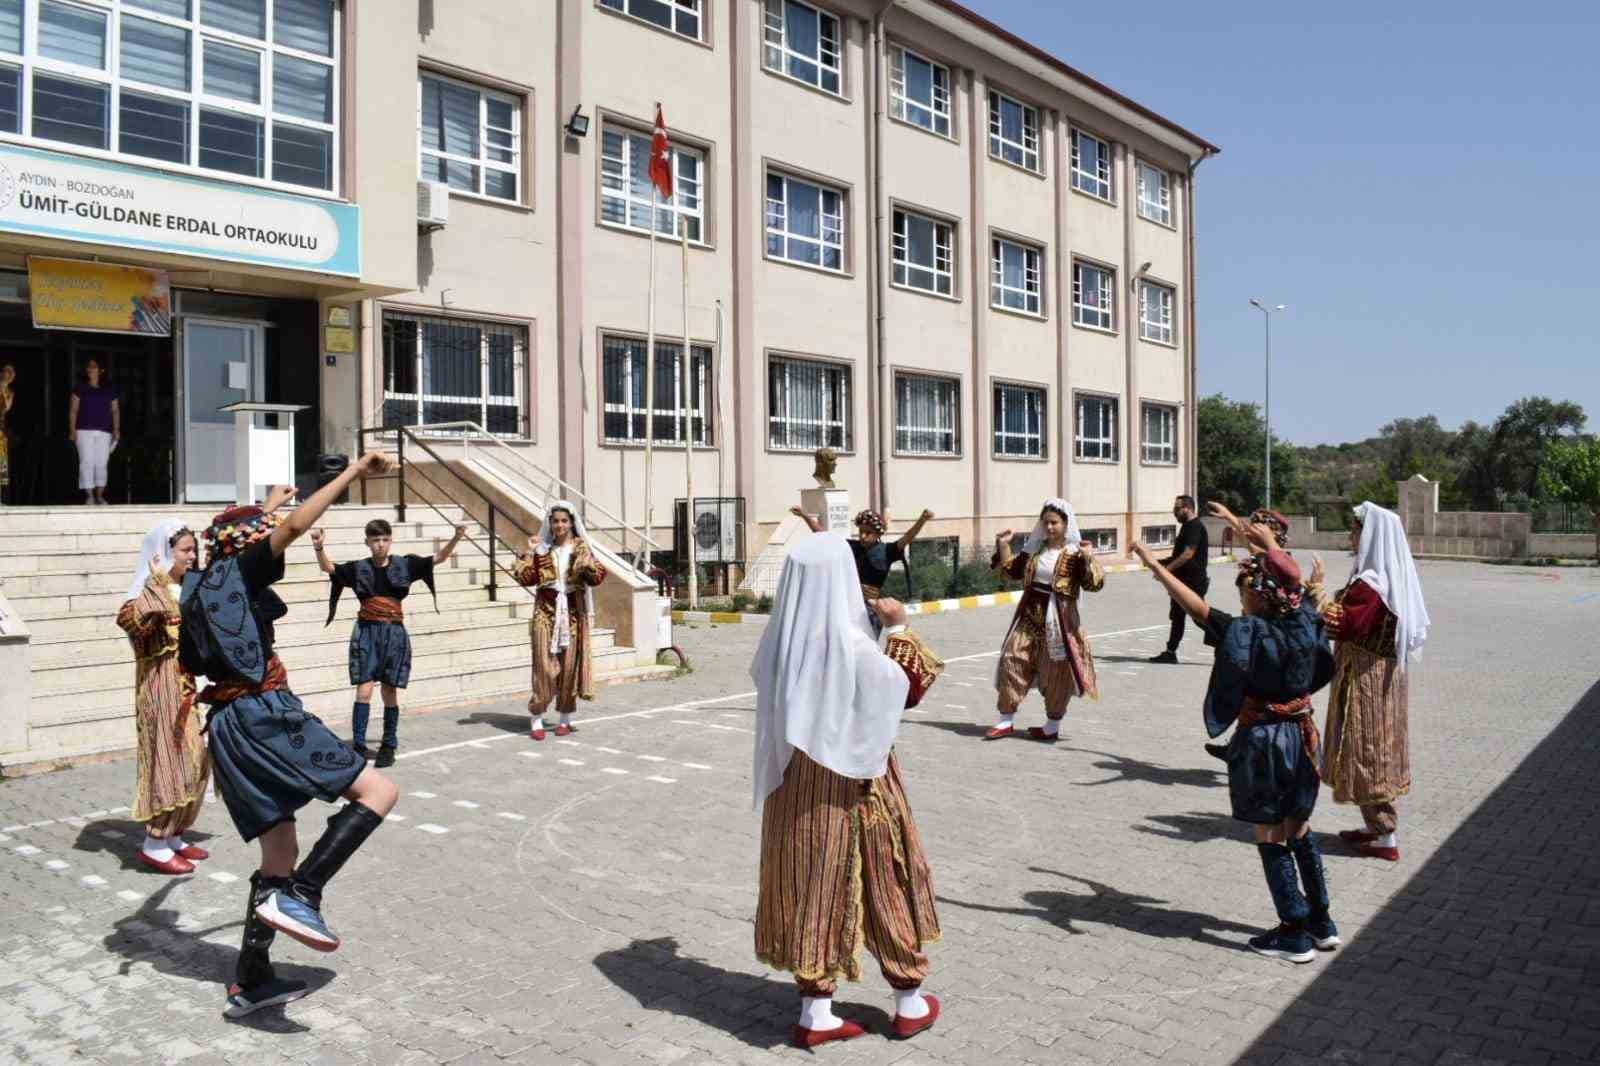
{"x": 1232, "y": 458}
{"x": 1569, "y": 472}
{"x": 1508, "y": 460}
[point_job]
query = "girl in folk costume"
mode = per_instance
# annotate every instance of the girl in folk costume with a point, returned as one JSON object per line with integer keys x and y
{"x": 841, "y": 860}
{"x": 1046, "y": 646}
{"x": 1269, "y": 662}
{"x": 173, "y": 766}
{"x": 1380, "y": 622}
{"x": 563, "y": 569}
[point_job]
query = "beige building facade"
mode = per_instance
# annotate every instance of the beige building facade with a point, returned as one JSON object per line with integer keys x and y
{"x": 913, "y": 237}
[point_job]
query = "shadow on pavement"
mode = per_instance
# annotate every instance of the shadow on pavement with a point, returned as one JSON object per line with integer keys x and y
{"x": 1491, "y": 951}
{"x": 1140, "y": 914}
{"x": 506, "y": 723}
{"x": 661, "y": 978}
{"x": 151, "y": 935}
{"x": 960, "y": 729}
{"x": 1125, "y": 769}
{"x": 1197, "y": 826}
{"x": 123, "y": 837}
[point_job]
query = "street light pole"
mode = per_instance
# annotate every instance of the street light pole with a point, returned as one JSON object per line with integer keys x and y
{"x": 1267, "y": 313}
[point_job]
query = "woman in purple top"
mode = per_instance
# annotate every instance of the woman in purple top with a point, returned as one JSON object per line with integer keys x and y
{"x": 94, "y": 425}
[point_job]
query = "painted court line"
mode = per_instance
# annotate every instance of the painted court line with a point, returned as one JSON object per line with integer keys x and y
{"x": 612, "y": 770}
{"x": 429, "y": 827}
{"x": 222, "y": 877}
{"x": 129, "y": 895}
{"x": 512, "y": 817}
{"x": 92, "y": 880}
{"x": 57, "y": 864}
{"x": 697, "y": 766}
{"x": 664, "y": 780}
{"x": 26, "y": 849}
{"x": 425, "y": 795}
{"x": 468, "y": 804}
{"x": 651, "y": 758}
{"x": 571, "y": 762}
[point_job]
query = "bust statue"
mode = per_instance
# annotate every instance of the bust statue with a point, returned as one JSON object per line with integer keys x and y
{"x": 827, "y": 460}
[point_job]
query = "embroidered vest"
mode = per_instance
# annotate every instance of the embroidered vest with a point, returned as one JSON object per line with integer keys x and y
{"x": 221, "y": 638}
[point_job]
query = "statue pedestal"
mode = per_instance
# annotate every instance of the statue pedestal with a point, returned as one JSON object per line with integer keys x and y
{"x": 831, "y": 506}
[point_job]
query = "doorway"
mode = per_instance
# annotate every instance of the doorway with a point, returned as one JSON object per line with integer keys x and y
{"x": 222, "y": 364}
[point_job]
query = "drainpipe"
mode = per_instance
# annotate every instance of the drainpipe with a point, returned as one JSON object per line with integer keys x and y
{"x": 881, "y": 430}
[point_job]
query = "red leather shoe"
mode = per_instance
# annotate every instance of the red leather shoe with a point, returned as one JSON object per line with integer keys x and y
{"x": 996, "y": 732}
{"x": 1036, "y": 732}
{"x": 1357, "y": 836}
{"x": 174, "y": 866}
{"x": 906, "y": 1028}
{"x": 194, "y": 853}
{"x": 1372, "y": 851}
{"x": 563, "y": 730}
{"x": 847, "y": 1030}
{"x": 536, "y": 734}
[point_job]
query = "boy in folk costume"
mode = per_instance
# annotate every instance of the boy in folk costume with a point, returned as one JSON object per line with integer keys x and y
{"x": 1046, "y": 646}
{"x": 841, "y": 860}
{"x": 173, "y": 766}
{"x": 874, "y": 556}
{"x": 1269, "y": 662}
{"x": 563, "y": 569}
{"x": 270, "y": 756}
{"x": 1276, "y": 524}
{"x": 1380, "y": 622}
{"x": 380, "y": 646}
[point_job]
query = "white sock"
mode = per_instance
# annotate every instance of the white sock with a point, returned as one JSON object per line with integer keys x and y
{"x": 176, "y": 842}
{"x": 566, "y": 718}
{"x": 1385, "y": 840}
{"x": 158, "y": 849}
{"x": 816, "y": 1012}
{"x": 908, "y": 1003}
{"x": 1051, "y": 727}
{"x": 538, "y": 721}
{"x": 1006, "y": 720}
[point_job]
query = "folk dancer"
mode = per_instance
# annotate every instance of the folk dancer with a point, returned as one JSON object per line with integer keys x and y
{"x": 1190, "y": 553}
{"x": 561, "y": 566}
{"x": 270, "y": 756}
{"x": 1239, "y": 531}
{"x": 173, "y": 767}
{"x": 1380, "y": 622}
{"x": 380, "y": 646}
{"x": 1269, "y": 661}
{"x": 874, "y": 556}
{"x": 1046, "y": 646}
{"x": 841, "y": 860}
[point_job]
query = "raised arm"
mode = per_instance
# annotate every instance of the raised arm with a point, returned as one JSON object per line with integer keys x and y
{"x": 916, "y": 528}
{"x": 448, "y": 550}
{"x": 811, "y": 523}
{"x": 116, "y": 421}
{"x": 1181, "y": 594}
{"x": 324, "y": 563}
{"x": 304, "y": 517}
{"x": 72, "y": 419}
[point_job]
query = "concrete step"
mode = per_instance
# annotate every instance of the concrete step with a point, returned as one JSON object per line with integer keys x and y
{"x": 298, "y": 567}
{"x": 139, "y": 520}
{"x": 123, "y": 547}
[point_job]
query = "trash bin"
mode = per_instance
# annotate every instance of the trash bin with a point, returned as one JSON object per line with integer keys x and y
{"x": 329, "y": 466}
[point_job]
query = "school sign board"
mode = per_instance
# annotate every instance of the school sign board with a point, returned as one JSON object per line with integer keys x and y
{"x": 99, "y": 297}
{"x": 52, "y": 194}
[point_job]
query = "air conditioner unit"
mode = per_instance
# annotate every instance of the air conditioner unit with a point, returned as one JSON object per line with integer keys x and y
{"x": 433, "y": 204}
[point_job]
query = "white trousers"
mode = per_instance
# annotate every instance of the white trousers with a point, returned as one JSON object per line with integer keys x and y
{"x": 94, "y": 451}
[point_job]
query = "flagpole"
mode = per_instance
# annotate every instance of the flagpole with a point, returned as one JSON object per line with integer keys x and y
{"x": 688, "y": 423}
{"x": 650, "y": 391}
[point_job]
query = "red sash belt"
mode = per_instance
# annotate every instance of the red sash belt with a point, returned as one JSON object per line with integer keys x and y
{"x": 1256, "y": 711}
{"x": 227, "y": 691}
{"x": 381, "y": 609}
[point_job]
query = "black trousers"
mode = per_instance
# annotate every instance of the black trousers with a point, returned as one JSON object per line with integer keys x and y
{"x": 1178, "y": 616}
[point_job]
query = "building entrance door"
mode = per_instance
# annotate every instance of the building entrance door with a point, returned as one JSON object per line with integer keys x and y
{"x": 222, "y": 364}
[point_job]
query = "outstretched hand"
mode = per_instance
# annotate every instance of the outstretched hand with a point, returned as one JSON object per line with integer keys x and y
{"x": 890, "y": 611}
{"x": 1317, "y": 572}
{"x": 316, "y": 538}
{"x": 1139, "y": 550}
{"x": 278, "y": 495}
{"x": 1003, "y": 537}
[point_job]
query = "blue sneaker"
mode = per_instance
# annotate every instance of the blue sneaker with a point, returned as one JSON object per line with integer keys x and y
{"x": 1286, "y": 943}
{"x": 1324, "y": 934}
{"x": 300, "y": 920}
{"x": 243, "y": 1001}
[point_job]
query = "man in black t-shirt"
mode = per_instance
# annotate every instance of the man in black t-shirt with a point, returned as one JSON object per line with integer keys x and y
{"x": 1188, "y": 564}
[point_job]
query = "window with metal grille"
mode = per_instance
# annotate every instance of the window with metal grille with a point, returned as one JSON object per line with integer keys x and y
{"x": 808, "y": 405}
{"x": 1016, "y": 283}
{"x": 924, "y": 256}
{"x": 919, "y": 91}
{"x": 1019, "y": 422}
{"x": 805, "y": 222}
{"x": 1104, "y": 540}
{"x": 1158, "y": 440}
{"x": 802, "y": 42}
{"x": 1155, "y": 194}
{"x": 1093, "y": 296}
{"x": 1155, "y": 312}
{"x": 679, "y": 398}
{"x": 1013, "y": 131}
{"x": 927, "y": 415}
{"x": 627, "y": 194}
{"x": 1091, "y": 165}
{"x": 471, "y": 137}
{"x": 1096, "y": 438}
{"x": 454, "y": 370}
{"x": 681, "y": 17}
{"x": 1158, "y": 536}
{"x": 237, "y": 87}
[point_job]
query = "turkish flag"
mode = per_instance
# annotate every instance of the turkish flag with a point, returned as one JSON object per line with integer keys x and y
{"x": 661, "y": 158}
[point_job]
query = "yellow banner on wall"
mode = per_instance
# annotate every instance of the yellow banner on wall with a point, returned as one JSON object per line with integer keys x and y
{"x": 99, "y": 297}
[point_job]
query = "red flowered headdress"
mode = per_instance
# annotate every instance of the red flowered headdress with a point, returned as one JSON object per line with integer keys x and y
{"x": 235, "y": 529}
{"x": 1275, "y": 577}
{"x": 1274, "y": 521}
{"x": 872, "y": 521}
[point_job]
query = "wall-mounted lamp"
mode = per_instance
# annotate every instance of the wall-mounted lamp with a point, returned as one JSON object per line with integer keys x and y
{"x": 578, "y": 124}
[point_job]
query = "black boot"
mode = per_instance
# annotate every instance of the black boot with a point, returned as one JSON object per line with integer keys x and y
{"x": 297, "y": 909}
{"x": 255, "y": 984}
{"x": 1308, "y": 857}
{"x": 1289, "y": 941}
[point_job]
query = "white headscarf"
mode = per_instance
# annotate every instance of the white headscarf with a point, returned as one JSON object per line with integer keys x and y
{"x": 822, "y": 684}
{"x": 560, "y": 632}
{"x": 1036, "y": 538}
{"x": 1383, "y": 560}
{"x": 157, "y": 545}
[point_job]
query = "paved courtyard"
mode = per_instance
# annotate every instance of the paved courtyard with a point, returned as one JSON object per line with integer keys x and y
{"x": 591, "y": 901}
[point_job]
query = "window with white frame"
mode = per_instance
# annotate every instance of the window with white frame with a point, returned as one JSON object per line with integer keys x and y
{"x": 919, "y": 91}
{"x": 1091, "y": 165}
{"x": 1155, "y": 312}
{"x": 803, "y": 42}
{"x": 1158, "y": 439}
{"x": 1155, "y": 194}
{"x": 675, "y": 16}
{"x": 471, "y": 138}
{"x": 1096, "y": 438}
{"x": 1019, "y": 422}
{"x": 439, "y": 369}
{"x": 1158, "y": 536}
{"x": 225, "y": 89}
{"x": 805, "y": 222}
{"x": 1017, "y": 283}
{"x": 1094, "y": 291}
{"x": 679, "y": 396}
{"x": 924, "y": 253}
{"x": 1104, "y": 540}
{"x": 927, "y": 415}
{"x": 627, "y": 194}
{"x": 1013, "y": 131}
{"x": 808, "y": 404}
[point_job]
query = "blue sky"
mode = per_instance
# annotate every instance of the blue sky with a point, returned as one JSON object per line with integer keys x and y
{"x": 1417, "y": 181}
